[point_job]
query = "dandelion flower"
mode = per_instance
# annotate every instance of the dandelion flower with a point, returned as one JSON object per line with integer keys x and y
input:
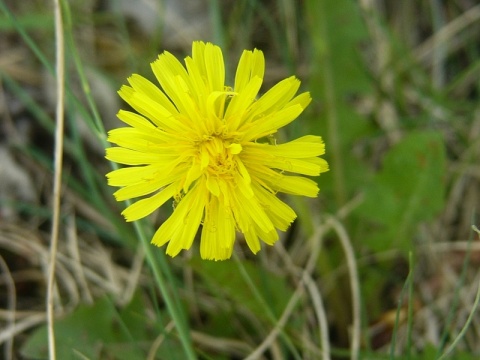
{"x": 206, "y": 145}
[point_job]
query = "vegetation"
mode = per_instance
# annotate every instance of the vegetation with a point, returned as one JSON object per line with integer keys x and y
{"x": 382, "y": 265}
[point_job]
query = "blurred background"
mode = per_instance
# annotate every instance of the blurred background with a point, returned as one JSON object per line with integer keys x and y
{"x": 385, "y": 257}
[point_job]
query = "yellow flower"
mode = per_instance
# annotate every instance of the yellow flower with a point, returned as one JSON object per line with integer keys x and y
{"x": 207, "y": 146}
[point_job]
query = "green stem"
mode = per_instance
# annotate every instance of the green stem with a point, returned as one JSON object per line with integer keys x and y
{"x": 171, "y": 301}
{"x": 175, "y": 311}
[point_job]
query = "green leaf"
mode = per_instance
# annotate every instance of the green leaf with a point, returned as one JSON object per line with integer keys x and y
{"x": 98, "y": 331}
{"x": 81, "y": 332}
{"x": 410, "y": 189}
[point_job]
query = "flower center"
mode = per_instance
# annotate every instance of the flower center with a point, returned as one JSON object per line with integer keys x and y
{"x": 217, "y": 156}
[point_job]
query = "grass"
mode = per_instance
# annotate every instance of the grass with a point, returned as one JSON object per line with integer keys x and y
{"x": 381, "y": 266}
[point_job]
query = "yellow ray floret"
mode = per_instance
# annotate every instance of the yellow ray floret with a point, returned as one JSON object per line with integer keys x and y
{"x": 201, "y": 143}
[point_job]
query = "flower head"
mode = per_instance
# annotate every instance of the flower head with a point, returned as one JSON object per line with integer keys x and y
{"x": 206, "y": 146}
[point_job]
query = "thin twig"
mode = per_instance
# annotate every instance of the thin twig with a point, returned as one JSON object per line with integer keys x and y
{"x": 319, "y": 309}
{"x": 446, "y": 33}
{"x": 11, "y": 305}
{"x": 159, "y": 340}
{"x": 21, "y": 326}
{"x": 309, "y": 283}
{"x": 354, "y": 283}
{"x": 74, "y": 251}
{"x": 233, "y": 348}
{"x": 268, "y": 341}
{"x": 461, "y": 334}
{"x": 133, "y": 277}
{"x": 57, "y": 184}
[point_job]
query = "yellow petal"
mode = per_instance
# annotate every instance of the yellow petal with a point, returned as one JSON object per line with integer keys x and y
{"x": 308, "y": 166}
{"x": 255, "y": 211}
{"x": 200, "y": 92}
{"x": 126, "y": 92}
{"x": 270, "y": 123}
{"x": 131, "y": 157}
{"x": 312, "y": 167}
{"x": 226, "y": 228}
{"x": 212, "y": 185}
{"x": 148, "y": 186}
{"x": 144, "y": 86}
{"x": 184, "y": 236}
{"x": 251, "y": 238}
{"x": 177, "y": 219}
{"x": 240, "y": 102}
{"x": 279, "y": 213}
{"x": 304, "y": 147}
{"x": 298, "y": 185}
{"x": 274, "y": 181}
{"x": 174, "y": 79}
{"x": 303, "y": 100}
{"x": 251, "y": 64}
{"x": 156, "y": 113}
{"x": 145, "y": 207}
{"x": 192, "y": 174}
{"x": 269, "y": 237}
{"x": 215, "y": 67}
{"x": 132, "y": 175}
{"x": 141, "y": 140}
{"x": 135, "y": 120}
{"x": 215, "y": 109}
{"x": 218, "y": 232}
{"x": 235, "y": 148}
{"x": 150, "y": 108}
{"x": 198, "y": 59}
{"x": 277, "y": 97}
{"x": 243, "y": 171}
